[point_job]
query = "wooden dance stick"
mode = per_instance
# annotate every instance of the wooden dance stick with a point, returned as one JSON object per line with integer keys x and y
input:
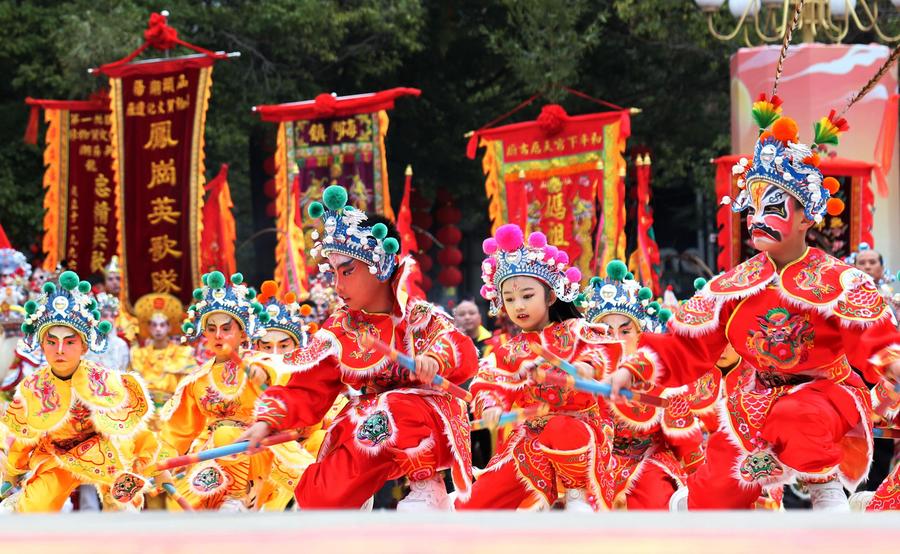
{"x": 596, "y": 388}
{"x": 180, "y": 500}
{"x": 5, "y": 489}
{"x": 886, "y": 433}
{"x": 227, "y": 450}
{"x": 513, "y": 416}
{"x": 372, "y": 343}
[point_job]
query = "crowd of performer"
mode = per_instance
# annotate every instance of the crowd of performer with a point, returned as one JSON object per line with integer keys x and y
{"x": 591, "y": 396}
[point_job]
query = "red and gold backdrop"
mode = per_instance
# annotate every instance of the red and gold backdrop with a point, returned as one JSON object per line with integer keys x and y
{"x": 325, "y": 141}
{"x": 81, "y": 218}
{"x": 159, "y": 118}
{"x": 838, "y": 235}
{"x": 562, "y": 175}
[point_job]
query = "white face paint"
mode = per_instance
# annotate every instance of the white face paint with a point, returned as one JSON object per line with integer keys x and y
{"x": 771, "y": 215}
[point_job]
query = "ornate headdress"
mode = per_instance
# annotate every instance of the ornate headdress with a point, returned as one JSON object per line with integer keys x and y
{"x": 781, "y": 160}
{"x": 323, "y": 297}
{"x": 620, "y": 294}
{"x": 70, "y": 304}
{"x": 112, "y": 266}
{"x": 108, "y": 302}
{"x": 345, "y": 234}
{"x": 285, "y": 315}
{"x": 160, "y": 303}
{"x": 509, "y": 256}
{"x": 216, "y": 296}
{"x": 13, "y": 262}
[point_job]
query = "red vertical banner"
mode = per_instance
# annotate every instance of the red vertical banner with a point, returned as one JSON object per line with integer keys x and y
{"x": 80, "y": 221}
{"x": 159, "y": 119}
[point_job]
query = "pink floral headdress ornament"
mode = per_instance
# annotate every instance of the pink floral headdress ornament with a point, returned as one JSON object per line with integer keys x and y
{"x": 508, "y": 255}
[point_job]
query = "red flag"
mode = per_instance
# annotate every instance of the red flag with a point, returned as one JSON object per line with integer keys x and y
{"x": 4, "y": 241}
{"x": 218, "y": 226}
{"x": 404, "y": 219}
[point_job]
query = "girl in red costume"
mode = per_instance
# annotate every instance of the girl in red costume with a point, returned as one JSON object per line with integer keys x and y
{"x": 571, "y": 445}
{"x": 801, "y": 320}
{"x": 399, "y": 426}
{"x": 887, "y": 496}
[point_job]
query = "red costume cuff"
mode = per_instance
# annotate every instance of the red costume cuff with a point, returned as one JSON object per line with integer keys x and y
{"x": 885, "y": 357}
{"x": 644, "y": 365}
{"x": 272, "y": 411}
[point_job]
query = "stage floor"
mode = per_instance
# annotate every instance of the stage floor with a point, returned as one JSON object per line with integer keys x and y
{"x": 453, "y": 533}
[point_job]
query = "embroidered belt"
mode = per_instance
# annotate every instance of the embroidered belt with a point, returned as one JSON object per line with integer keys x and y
{"x": 538, "y": 423}
{"x": 64, "y": 445}
{"x": 226, "y": 423}
{"x": 634, "y": 447}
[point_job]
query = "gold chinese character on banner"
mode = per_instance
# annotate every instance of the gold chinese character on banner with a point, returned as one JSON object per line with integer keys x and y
{"x": 162, "y": 173}
{"x": 101, "y": 212}
{"x": 90, "y": 164}
{"x": 556, "y": 206}
{"x": 98, "y": 260}
{"x": 160, "y": 136}
{"x": 138, "y": 87}
{"x": 155, "y": 87}
{"x": 100, "y": 240}
{"x": 168, "y": 84}
{"x": 317, "y": 133}
{"x": 556, "y": 234}
{"x": 101, "y": 186}
{"x": 162, "y": 246}
{"x": 182, "y": 82}
{"x": 165, "y": 280}
{"x": 162, "y": 211}
{"x": 345, "y": 129}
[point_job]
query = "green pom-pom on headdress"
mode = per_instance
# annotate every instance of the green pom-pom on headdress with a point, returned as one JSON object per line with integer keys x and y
{"x": 264, "y": 317}
{"x": 595, "y": 281}
{"x": 68, "y": 280}
{"x": 665, "y": 315}
{"x": 30, "y": 307}
{"x": 629, "y": 276}
{"x": 205, "y": 279}
{"x": 92, "y": 305}
{"x": 645, "y": 293}
{"x": 215, "y": 280}
{"x": 198, "y": 294}
{"x": 96, "y": 314}
{"x": 653, "y": 308}
{"x": 187, "y": 327}
{"x": 84, "y": 287}
{"x": 616, "y": 270}
{"x": 580, "y": 300}
{"x": 256, "y": 307}
{"x": 251, "y": 293}
{"x": 28, "y": 328}
{"x": 379, "y": 231}
{"x": 390, "y": 245}
{"x": 49, "y": 288}
{"x": 315, "y": 210}
{"x": 699, "y": 283}
{"x": 237, "y": 278}
{"x": 104, "y": 327}
{"x": 335, "y": 197}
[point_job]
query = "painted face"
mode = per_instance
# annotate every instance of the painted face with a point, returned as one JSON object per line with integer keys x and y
{"x": 623, "y": 328}
{"x": 772, "y": 215}
{"x": 354, "y": 284}
{"x": 870, "y": 262}
{"x": 223, "y": 334}
{"x": 63, "y": 348}
{"x": 159, "y": 327}
{"x": 526, "y": 302}
{"x": 467, "y": 317}
{"x": 276, "y": 342}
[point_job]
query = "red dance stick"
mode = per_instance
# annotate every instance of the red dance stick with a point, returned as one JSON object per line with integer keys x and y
{"x": 227, "y": 450}
{"x": 596, "y": 388}
{"x": 886, "y": 433}
{"x": 513, "y": 416}
{"x": 368, "y": 341}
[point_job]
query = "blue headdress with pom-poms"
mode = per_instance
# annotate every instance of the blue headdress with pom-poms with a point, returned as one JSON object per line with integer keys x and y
{"x": 285, "y": 314}
{"x": 218, "y": 296}
{"x": 345, "y": 234}
{"x": 508, "y": 255}
{"x": 620, "y": 294}
{"x": 69, "y": 304}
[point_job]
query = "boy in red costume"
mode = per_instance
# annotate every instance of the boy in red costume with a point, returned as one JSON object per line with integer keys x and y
{"x": 399, "y": 426}
{"x": 801, "y": 320}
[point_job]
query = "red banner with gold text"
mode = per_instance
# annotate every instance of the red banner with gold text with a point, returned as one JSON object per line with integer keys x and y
{"x": 159, "y": 118}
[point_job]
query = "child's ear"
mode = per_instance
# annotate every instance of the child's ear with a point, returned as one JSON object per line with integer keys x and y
{"x": 551, "y": 299}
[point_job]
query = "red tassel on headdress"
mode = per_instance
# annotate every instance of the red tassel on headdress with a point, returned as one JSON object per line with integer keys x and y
{"x": 31, "y": 131}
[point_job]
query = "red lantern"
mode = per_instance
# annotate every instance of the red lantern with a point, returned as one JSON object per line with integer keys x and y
{"x": 444, "y": 196}
{"x": 269, "y": 165}
{"x": 450, "y": 256}
{"x": 450, "y": 277}
{"x": 424, "y": 242}
{"x": 449, "y": 215}
{"x": 449, "y": 235}
{"x": 425, "y": 262}
{"x": 272, "y": 209}
{"x": 269, "y": 188}
{"x": 422, "y": 220}
{"x": 426, "y": 283}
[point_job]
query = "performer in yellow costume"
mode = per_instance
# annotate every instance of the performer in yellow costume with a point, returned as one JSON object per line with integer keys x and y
{"x": 212, "y": 406}
{"x": 161, "y": 362}
{"x": 126, "y": 324}
{"x": 73, "y": 421}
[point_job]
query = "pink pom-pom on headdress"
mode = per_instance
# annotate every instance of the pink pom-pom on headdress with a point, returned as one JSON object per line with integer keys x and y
{"x": 562, "y": 257}
{"x": 573, "y": 274}
{"x": 550, "y": 253}
{"x": 491, "y": 262}
{"x": 537, "y": 239}
{"x": 485, "y": 290}
{"x": 509, "y": 237}
{"x": 489, "y": 246}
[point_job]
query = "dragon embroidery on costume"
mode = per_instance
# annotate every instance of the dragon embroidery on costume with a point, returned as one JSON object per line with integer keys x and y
{"x": 45, "y": 390}
{"x": 97, "y": 383}
{"x": 782, "y": 340}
